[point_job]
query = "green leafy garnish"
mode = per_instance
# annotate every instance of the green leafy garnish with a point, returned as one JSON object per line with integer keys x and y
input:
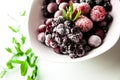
{"x": 69, "y": 13}
{"x": 25, "y": 58}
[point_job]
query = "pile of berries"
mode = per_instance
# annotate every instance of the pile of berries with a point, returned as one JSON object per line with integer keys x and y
{"x": 75, "y": 38}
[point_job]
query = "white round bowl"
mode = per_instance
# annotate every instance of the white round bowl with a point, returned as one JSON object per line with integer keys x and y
{"x": 36, "y": 18}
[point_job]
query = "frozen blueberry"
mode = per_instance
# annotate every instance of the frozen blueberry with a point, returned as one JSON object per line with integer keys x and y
{"x": 102, "y": 23}
{"x": 100, "y": 33}
{"x": 107, "y": 6}
{"x": 87, "y": 48}
{"x": 94, "y": 41}
{"x": 98, "y": 2}
{"x": 41, "y": 37}
{"x": 109, "y": 18}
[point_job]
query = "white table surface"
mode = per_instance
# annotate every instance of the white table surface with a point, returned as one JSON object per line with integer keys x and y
{"x": 103, "y": 67}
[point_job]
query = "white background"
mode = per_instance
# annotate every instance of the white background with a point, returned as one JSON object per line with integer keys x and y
{"x": 103, "y": 67}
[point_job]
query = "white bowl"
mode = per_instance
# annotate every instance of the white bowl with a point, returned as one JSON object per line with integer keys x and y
{"x": 35, "y": 19}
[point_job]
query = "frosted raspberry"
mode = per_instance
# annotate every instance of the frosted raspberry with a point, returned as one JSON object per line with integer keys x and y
{"x": 84, "y": 7}
{"x": 84, "y": 23}
{"x": 98, "y": 13}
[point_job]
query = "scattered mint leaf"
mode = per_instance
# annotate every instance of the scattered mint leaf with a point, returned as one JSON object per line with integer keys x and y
{"x": 23, "y": 13}
{"x": 8, "y": 50}
{"x": 9, "y": 65}
{"x": 2, "y": 72}
{"x": 28, "y": 51}
{"x": 13, "y": 29}
{"x": 24, "y": 68}
{"x": 23, "y": 39}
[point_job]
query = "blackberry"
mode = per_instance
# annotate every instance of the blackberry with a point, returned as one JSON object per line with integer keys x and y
{"x": 75, "y": 37}
{"x": 63, "y": 49}
{"x": 80, "y": 52}
{"x": 75, "y": 30}
{"x": 68, "y": 23}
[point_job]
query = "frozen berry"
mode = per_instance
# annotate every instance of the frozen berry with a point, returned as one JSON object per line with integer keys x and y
{"x": 41, "y": 37}
{"x": 48, "y": 36}
{"x": 68, "y": 23}
{"x": 42, "y": 28}
{"x": 84, "y": 8}
{"x": 87, "y": 48}
{"x": 63, "y": 49}
{"x": 58, "y": 13}
{"x": 52, "y": 7}
{"x": 48, "y": 22}
{"x": 107, "y": 6}
{"x": 100, "y": 33}
{"x": 58, "y": 40}
{"x": 53, "y": 44}
{"x": 75, "y": 37}
{"x": 94, "y": 41}
{"x": 57, "y": 50}
{"x": 80, "y": 52}
{"x": 84, "y": 23}
{"x": 75, "y": 5}
{"x": 61, "y": 31}
{"x": 63, "y": 5}
{"x": 98, "y": 13}
{"x": 98, "y": 2}
{"x": 60, "y": 1}
{"x": 109, "y": 18}
{"x": 102, "y": 23}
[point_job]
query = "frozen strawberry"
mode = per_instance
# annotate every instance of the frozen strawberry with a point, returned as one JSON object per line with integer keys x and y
{"x": 84, "y": 23}
{"x": 83, "y": 7}
{"x": 98, "y": 13}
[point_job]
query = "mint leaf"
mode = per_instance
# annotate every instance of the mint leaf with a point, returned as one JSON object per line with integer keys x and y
{"x": 77, "y": 15}
{"x": 8, "y": 50}
{"x": 64, "y": 13}
{"x": 3, "y": 72}
{"x": 28, "y": 51}
{"x": 24, "y": 68}
{"x": 23, "y": 13}
{"x": 9, "y": 65}
{"x": 13, "y": 29}
{"x": 23, "y": 38}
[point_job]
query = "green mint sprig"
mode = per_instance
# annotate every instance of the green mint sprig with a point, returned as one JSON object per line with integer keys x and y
{"x": 25, "y": 58}
{"x": 69, "y": 12}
